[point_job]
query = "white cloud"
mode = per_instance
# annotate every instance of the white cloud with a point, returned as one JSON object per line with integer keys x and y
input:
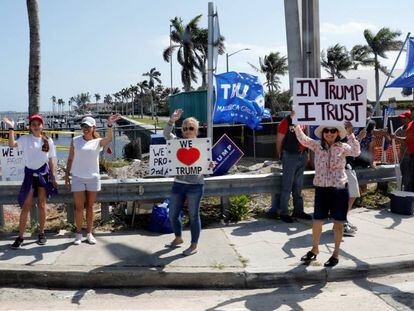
{"x": 346, "y": 29}
{"x": 160, "y": 41}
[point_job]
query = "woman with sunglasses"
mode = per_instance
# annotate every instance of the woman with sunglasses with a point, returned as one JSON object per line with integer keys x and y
{"x": 83, "y": 166}
{"x": 188, "y": 186}
{"x": 39, "y": 174}
{"x": 331, "y": 190}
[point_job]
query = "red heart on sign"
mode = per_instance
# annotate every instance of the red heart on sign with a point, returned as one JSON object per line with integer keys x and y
{"x": 188, "y": 156}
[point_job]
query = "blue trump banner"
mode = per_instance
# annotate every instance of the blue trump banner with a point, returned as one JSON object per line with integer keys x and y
{"x": 239, "y": 98}
{"x": 406, "y": 80}
{"x": 225, "y": 153}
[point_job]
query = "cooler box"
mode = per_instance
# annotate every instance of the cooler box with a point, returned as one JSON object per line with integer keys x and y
{"x": 402, "y": 202}
{"x": 157, "y": 139}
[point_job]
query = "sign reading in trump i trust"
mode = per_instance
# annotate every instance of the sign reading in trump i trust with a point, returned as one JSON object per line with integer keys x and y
{"x": 329, "y": 102}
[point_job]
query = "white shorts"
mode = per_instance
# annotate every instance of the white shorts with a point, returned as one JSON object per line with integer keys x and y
{"x": 353, "y": 185}
{"x": 80, "y": 184}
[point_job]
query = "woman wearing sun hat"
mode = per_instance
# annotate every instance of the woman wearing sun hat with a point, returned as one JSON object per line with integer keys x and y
{"x": 39, "y": 178}
{"x": 331, "y": 191}
{"x": 83, "y": 167}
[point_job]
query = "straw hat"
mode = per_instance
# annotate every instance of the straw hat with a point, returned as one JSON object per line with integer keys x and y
{"x": 341, "y": 130}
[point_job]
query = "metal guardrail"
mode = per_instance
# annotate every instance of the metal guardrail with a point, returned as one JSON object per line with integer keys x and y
{"x": 153, "y": 189}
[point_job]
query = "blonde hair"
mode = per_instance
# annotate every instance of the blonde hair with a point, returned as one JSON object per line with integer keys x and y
{"x": 192, "y": 120}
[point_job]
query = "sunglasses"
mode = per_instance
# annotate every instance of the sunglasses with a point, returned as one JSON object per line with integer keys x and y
{"x": 85, "y": 126}
{"x": 190, "y": 128}
{"x": 332, "y": 131}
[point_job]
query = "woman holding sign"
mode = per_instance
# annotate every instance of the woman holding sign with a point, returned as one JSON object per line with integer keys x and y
{"x": 187, "y": 186}
{"x": 83, "y": 166}
{"x": 39, "y": 178}
{"x": 331, "y": 188}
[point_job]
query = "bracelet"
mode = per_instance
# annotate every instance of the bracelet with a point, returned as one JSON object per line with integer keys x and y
{"x": 11, "y": 129}
{"x": 110, "y": 125}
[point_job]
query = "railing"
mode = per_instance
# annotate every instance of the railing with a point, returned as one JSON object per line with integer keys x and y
{"x": 157, "y": 189}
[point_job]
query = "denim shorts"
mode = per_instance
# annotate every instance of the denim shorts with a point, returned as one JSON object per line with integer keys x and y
{"x": 331, "y": 202}
{"x": 80, "y": 184}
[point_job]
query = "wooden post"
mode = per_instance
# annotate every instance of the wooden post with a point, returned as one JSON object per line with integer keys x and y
{"x": 105, "y": 213}
{"x": 34, "y": 215}
{"x": 225, "y": 204}
{"x": 70, "y": 213}
{"x": 1, "y": 216}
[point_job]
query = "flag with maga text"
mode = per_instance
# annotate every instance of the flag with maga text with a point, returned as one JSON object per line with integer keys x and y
{"x": 239, "y": 98}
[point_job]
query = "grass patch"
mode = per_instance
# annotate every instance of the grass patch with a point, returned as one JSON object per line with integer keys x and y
{"x": 148, "y": 120}
{"x": 108, "y": 164}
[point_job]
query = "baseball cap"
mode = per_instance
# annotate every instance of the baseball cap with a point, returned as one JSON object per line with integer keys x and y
{"x": 36, "y": 117}
{"x": 89, "y": 121}
{"x": 405, "y": 114}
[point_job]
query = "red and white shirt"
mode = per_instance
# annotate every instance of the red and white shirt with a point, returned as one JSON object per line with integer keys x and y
{"x": 330, "y": 164}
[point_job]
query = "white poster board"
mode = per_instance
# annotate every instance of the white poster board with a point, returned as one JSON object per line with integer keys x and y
{"x": 329, "y": 102}
{"x": 189, "y": 156}
{"x": 12, "y": 164}
{"x": 158, "y": 162}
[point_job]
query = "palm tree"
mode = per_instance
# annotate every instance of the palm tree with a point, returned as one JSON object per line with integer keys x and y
{"x": 53, "y": 98}
{"x": 272, "y": 66}
{"x": 201, "y": 48}
{"x": 153, "y": 75}
{"x": 61, "y": 104}
{"x": 107, "y": 100}
{"x": 125, "y": 95}
{"x": 336, "y": 59}
{"x": 97, "y": 98}
{"x": 142, "y": 89}
{"x": 133, "y": 89}
{"x": 183, "y": 38}
{"x": 70, "y": 102}
{"x": 377, "y": 45}
{"x": 34, "y": 59}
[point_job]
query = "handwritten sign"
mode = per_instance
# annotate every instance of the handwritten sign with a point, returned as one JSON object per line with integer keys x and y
{"x": 158, "y": 162}
{"x": 225, "y": 154}
{"x": 189, "y": 156}
{"x": 12, "y": 164}
{"x": 329, "y": 102}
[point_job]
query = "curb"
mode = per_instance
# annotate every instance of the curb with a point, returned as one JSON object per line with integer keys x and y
{"x": 124, "y": 277}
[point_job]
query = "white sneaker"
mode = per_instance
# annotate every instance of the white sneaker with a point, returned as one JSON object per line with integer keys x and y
{"x": 90, "y": 238}
{"x": 78, "y": 239}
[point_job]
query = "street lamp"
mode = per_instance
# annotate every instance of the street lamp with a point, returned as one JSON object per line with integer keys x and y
{"x": 228, "y": 55}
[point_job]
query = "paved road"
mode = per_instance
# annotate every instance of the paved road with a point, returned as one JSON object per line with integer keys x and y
{"x": 258, "y": 253}
{"x": 386, "y": 293}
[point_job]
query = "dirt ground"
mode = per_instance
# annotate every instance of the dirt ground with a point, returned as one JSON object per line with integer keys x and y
{"x": 210, "y": 210}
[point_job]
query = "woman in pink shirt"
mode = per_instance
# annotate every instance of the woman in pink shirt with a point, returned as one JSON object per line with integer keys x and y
{"x": 331, "y": 189}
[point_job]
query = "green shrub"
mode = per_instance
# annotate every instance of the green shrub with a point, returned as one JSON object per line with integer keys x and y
{"x": 238, "y": 209}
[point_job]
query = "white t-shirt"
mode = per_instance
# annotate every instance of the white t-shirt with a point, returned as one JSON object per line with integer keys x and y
{"x": 33, "y": 155}
{"x": 86, "y": 159}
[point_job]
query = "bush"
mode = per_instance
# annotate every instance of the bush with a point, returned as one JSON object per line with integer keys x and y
{"x": 238, "y": 209}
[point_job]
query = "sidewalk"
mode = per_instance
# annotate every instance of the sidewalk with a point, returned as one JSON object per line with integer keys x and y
{"x": 258, "y": 253}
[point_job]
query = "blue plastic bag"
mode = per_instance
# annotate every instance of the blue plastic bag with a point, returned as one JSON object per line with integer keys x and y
{"x": 160, "y": 221}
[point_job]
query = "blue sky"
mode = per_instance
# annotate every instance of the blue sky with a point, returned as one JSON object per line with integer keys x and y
{"x": 101, "y": 46}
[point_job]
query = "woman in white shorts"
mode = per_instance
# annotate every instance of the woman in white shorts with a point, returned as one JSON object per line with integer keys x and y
{"x": 83, "y": 166}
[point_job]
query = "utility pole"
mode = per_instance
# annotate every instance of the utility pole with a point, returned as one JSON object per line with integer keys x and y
{"x": 210, "y": 69}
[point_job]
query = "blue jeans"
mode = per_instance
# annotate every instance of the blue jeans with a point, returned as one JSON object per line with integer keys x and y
{"x": 194, "y": 193}
{"x": 292, "y": 181}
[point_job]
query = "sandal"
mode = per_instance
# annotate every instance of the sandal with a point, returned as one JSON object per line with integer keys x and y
{"x": 310, "y": 256}
{"x": 174, "y": 244}
{"x": 332, "y": 262}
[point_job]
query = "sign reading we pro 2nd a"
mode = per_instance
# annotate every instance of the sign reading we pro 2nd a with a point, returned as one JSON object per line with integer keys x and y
{"x": 329, "y": 102}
